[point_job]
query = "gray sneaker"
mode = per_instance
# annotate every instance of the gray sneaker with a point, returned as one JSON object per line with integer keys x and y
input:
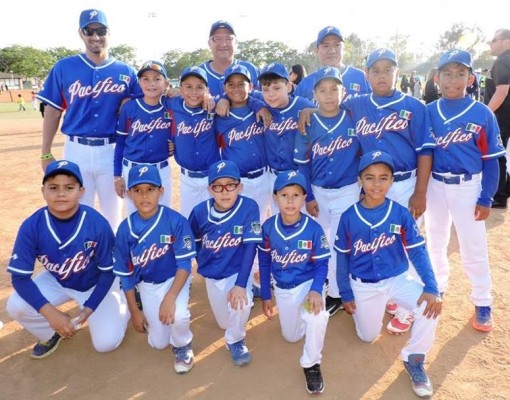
{"x": 44, "y": 349}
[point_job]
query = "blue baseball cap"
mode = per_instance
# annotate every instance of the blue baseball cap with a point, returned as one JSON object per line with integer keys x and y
{"x": 456, "y": 56}
{"x": 327, "y": 73}
{"x": 375, "y": 157}
{"x": 152, "y": 66}
{"x": 144, "y": 173}
{"x": 286, "y": 178}
{"x": 381, "y": 54}
{"x": 275, "y": 69}
{"x": 88, "y": 17}
{"x": 237, "y": 69}
{"x": 221, "y": 24}
{"x": 328, "y": 30}
{"x": 223, "y": 169}
{"x": 195, "y": 71}
{"x": 63, "y": 167}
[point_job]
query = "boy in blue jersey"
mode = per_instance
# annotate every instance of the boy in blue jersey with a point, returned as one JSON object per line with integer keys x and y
{"x": 295, "y": 251}
{"x": 328, "y": 156}
{"x": 153, "y": 249}
{"x": 375, "y": 240}
{"x": 227, "y": 230}
{"x": 74, "y": 244}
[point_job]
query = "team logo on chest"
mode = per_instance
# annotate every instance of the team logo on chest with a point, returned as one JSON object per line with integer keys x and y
{"x": 151, "y": 254}
{"x": 156, "y": 124}
{"x": 225, "y": 241}
{"x": 392, "y": 122}
{"x": 107, "y": 86}
{"x": 338, "y": 144}
{"x": 294, "y": 257}
{"x": 281, "y": 127}
{"x": 71, "y": 265}
{"x": 245, "y": 135}
{"x": 196, "y": 130}
{"x": 379, "y": 242}
{"x": 451, "y": 138}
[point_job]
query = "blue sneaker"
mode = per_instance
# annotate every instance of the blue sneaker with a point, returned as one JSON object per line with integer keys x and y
{"x": 240, "y": 354}
{"x": 420, "y": 381}
{"x": 44, "y": 349}
{"x": 184, "y": 359}
{"x": 483, "y": 318}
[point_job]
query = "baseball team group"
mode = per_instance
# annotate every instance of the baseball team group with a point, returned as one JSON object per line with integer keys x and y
{"x": 314, "y": 195}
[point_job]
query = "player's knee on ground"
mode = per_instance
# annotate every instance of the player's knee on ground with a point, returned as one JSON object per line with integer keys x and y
{"x": 369, "y": 334}
{"x": 107, "y": 343}
{"x": 158, "y": 342}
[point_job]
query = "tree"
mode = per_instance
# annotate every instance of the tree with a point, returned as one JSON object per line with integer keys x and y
{"x": 176, "y": 61}
{"x": 25, "y": 61}
{"x": 462, "y": 36}
{"x": 261, "y": 53}
{"x": 356, "y": 50}
{"x": 124, "y": 53}
{"x": 57, "y": 53}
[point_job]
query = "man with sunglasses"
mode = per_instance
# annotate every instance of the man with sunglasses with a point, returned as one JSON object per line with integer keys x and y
{"x": 227, "y": 230}
{"x": 497, "y": 98}
{"x": 90, "y": 88}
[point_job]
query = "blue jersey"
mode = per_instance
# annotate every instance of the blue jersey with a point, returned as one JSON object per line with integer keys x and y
{"x": 143, "y": 133}
{"x": 216, "y": 81}
{"x": 281, "y": 134}
{"x": 467, "y": 133}
{"x": 241, "y": 140}
{"x": 353, "y": 80}
{"x": 294, "y": 254}
{"x": 376, "y": 241}
{"x": 194, "y": 135}
{"x": 152, "y": 250}
{"x": 397, "y": 124}
{"x": 330, "y": 150}
{"x": 89, "y": 94}
{"x": 77, "y": 261}
{"x": 220, "y": 239}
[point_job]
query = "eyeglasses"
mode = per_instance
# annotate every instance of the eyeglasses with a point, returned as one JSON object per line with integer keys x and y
{"x": 222, "y": 39}
{"x": 229, "y": 187}
{"x": 101, "y": 31}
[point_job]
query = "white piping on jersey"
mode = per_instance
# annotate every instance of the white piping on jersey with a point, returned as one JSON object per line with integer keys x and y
{"x": 443, "y": 117}
{"x": 372, "y": 226}
{"x": 191, "y": 112}
{"x": 230, "y": 213}
{"x": 305, "y": 223}
{"x": 325, "y": 127}
{"x": 241, "y": 118}
{"x": 20, "y": 271}
{"x": 111, "y": 61}
{"x": 292, "y": 103}
{"x": 379, "y": 106}
{"x": 160, "y": 213}
{"x": 187, "y": 255}
{"x": 146, "y": 110}
{"x": 347, "y": 68}
{"x": 54, "y": 234}
{"x": 415, "y": 245}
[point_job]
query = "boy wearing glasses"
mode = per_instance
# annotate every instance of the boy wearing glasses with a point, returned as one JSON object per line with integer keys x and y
{"x": 90, "y": 88}
{"x": 464, "y": 179}
{"x": 227, "y": 230}
{"x": 153, "y": 250}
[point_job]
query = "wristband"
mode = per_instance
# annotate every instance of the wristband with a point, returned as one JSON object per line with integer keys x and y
{"x": 47, "y": 156}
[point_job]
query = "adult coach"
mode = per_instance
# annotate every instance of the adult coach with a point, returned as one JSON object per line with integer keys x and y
{"x": 223, "y": 44}
{"x": 89, "y": 87}
{"x": 330, "y": 50}
{"x": 497, "y": 99}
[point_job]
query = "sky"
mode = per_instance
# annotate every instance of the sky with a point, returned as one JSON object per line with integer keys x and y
{"x": 155, "y": 26}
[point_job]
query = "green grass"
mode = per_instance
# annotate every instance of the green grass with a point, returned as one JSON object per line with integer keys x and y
{"x": 10, "y": 111}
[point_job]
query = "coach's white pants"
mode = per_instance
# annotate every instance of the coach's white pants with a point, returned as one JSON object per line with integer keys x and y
{"x": 371, "y": 299}
{"x": 160, "y": 335}
{"x": 193, "y": 191}
{"x": 107, "y": 324}
{"x": 258, "y": 190}
{"x": 447, "y": 203}
{"x": 296, "y": 322}
{"x": 166, "y": 183}
{"x": 96, "y": 167}
{"x": 233, "y": 321}
{"x": 332, "y": 204}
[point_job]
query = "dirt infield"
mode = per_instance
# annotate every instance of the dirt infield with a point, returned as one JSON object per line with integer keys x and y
{"x": 464, "y": 364}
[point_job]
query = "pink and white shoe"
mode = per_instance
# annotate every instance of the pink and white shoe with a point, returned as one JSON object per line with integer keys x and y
{"x": 391, "y": 307}
{"x": 400, "y": 323}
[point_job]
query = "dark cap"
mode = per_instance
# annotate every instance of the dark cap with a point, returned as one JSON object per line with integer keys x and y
{"x": 221, "y": 24}
{"x": 63, "y": 167}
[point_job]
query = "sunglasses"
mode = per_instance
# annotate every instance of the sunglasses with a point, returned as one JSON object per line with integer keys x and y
{"x": 154, "y": 67}
{"x": 101, "y": 31}
{"x": 229, "y": 187}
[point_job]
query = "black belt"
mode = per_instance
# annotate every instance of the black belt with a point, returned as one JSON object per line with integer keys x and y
{"x": 364, "y": 280}
{"x": 452, "y": 180}
{"x": 253, "y": 174}
{"x": 92, "y": 141}
{"x": 402, "y": 177}
{"x": 287, "y": 285}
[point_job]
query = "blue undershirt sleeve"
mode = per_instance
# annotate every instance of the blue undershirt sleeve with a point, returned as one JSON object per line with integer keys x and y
{"x": 490, "y": 179}
{"x": 29, "y": 291}
{"x": 249, "y": 251}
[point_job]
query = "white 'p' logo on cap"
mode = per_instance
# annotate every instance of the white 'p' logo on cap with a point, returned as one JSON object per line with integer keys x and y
{"x": 62, "y": 164}
{"x": 291, "y": 175}
{"x": 381, "y": 52}
{"x": 93, "y": 14}
{"x": 142, "y": 171}
{"x": 453, "y": 52}
{"x": 221, "y": 166}
{"x": 376, "y": 154}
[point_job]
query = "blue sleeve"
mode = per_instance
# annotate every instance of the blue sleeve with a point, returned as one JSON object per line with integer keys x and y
{"x": 249, "y": 251}
{"x": 255, "y": 103}
{"x": 265, "y": 274}
{"x": 102, "y": 287}
{"x": 421, "y": 262}
{"x": 118, "y": 156}
{"x": 29, "y": 291}
{"x": 342, "y": 276}
{"x": 127, "y": 282}
{"x": 490, "y": 179}
{"x": 306, "y": 171}
{"x": 321, "y": 273}
{"x": 427, "y": 151}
